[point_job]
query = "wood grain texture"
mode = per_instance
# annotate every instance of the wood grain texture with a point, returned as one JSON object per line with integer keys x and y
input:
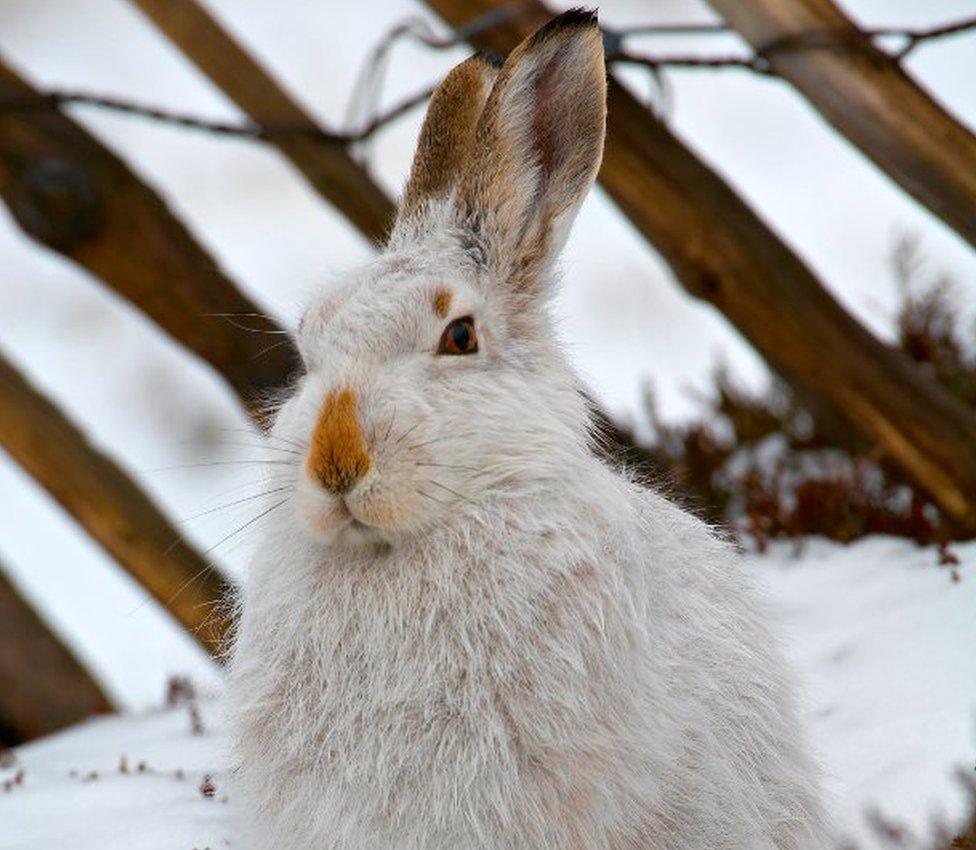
{"x": 328, "y": 167}
{"x": 868, "y": 98}
{"x": 723, "y": 252}
{"x": 43, "y": 687}
{"x": 69, "y": 192}
{"x": 112, "y": 508}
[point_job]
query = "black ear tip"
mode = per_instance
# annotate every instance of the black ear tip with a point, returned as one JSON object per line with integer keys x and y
{"x": 574, "y": 19}
{"x": 577, "y": 17}
{"x": 490, "y": 58}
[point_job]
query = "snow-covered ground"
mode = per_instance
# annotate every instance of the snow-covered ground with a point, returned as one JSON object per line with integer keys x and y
{"x": 133, "y": 782}
{"x": 885, "y": 642}
{"x": 883, "y": 637}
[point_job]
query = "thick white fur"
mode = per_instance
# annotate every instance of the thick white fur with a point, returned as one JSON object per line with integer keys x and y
{"x": 512, "y": 647}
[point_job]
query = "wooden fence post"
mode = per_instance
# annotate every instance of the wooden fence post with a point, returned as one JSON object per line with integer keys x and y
{"x": 111, "y": 508}
{"x": 43, "y": 687}
{"x": 869, "y": 98}
{"x": 328, "y": 167}
{"x": 69, "y": 192}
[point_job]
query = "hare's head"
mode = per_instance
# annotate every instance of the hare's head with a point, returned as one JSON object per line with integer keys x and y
{"x": 434, "y": 378}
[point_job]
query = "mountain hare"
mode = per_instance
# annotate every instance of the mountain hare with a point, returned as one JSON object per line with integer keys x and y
{"x": 462, "y": 630}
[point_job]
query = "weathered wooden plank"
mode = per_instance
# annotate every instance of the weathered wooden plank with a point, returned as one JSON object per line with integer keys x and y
{"x": 111, "y": 507}
{"x": 327, "y": 166}
{"x": 43, "y": 686}
{"x": 869, "y": 98}
{"x": 69, "y": 192}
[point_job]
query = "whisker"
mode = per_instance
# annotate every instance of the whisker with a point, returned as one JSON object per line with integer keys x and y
{"x": 268, "y": 478}
{"x": 448, "y": 466}
{"x": 285, "y": 479}
{"x": 251, "y": 432}
{"x": 409, "y": 430}
{"x": 244, "y": 315}
{"x": 210, "y": 564}
{"x": 230, "y": 319}
{"x": 242, "y": 462}
{"x": 449, "y": 490}
{"x": 421, "y": 445}
{"x": 389, "y": 428}
{"x": 295, "y": 444}
{"x": 246, "y": 525}
{"x": 271, "y": 347}
{"x": 237, "y": 502}
{"x": 259, "y": 447}
{"x": 189, "y": 582}
{"x": 422, "y": 493}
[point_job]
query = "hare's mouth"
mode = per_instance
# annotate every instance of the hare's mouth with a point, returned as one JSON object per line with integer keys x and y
{"x": 345, "y": 520}
{"x": 356, "y": 533}
{"x": 341, "y": 525}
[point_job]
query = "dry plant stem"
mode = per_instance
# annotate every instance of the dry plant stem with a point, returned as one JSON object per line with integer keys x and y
{"x": 111, "y": 508}
{"x": 43, "y": 687}
{"x": 721, "y": 251}
{"x": 327, "y": 166}
{"x": 867, "y": 96}
{"x": 71, "y": 193}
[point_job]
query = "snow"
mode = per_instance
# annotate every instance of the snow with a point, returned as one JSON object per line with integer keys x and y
{"x": 885, "y": 641}
{"x": 882, "y": 636}
{"x": 74, "y": 795}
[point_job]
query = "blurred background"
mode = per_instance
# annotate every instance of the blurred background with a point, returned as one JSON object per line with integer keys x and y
{"x": 882, "y": 628}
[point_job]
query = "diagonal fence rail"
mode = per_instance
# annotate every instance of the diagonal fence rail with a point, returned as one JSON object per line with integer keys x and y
{"x": 111, "y": 508}
{"x": 71, "y": 193}
{"x": 867, "y": 95}
{"x": 327, "y": 166}
{"x": 43, "y": 686}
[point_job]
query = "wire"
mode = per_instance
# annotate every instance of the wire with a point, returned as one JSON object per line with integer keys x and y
{"x": 419, "y": 30}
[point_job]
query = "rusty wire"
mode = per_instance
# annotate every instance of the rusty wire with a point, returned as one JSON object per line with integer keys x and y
{"x": 417, "y": 29}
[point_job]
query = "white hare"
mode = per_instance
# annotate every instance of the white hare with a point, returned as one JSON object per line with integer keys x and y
{"x": 462, "y": 630}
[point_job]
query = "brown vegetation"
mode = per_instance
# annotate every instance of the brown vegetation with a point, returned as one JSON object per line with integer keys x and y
{"x": 767, "y": 466}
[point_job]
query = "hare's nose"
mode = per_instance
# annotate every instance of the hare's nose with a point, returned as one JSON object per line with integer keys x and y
{"x": 338, "y": 455}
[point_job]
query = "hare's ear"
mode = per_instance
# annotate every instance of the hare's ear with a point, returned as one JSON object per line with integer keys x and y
{"x": 445, "y": 142}
{"x": 537, "y": 149}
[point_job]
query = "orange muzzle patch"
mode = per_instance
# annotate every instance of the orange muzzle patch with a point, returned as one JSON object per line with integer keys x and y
{"x": 338, "y": 456}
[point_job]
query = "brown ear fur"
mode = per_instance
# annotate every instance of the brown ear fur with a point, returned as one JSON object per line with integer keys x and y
{"x": 447, "y": 133}
{"x": 537, "y": 147}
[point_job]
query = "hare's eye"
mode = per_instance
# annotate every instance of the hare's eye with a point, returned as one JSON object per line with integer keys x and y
{"x": 459, "y": 338}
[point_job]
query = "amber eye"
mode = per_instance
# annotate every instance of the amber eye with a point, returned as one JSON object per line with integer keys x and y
{"x": 459, "y": 337}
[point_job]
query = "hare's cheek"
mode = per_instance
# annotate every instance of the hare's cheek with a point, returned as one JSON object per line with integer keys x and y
{"x": 390, "y": 504}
